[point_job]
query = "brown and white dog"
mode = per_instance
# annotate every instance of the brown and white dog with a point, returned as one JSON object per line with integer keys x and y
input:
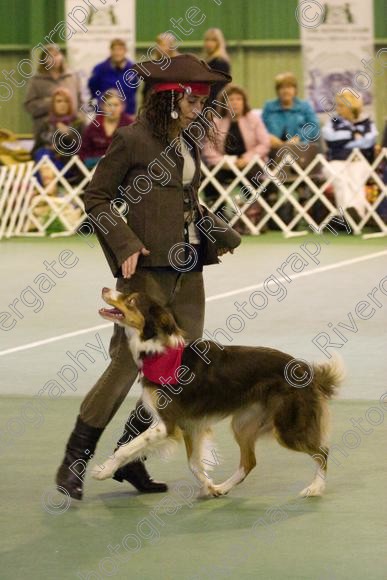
{"x": 250, "y": 384}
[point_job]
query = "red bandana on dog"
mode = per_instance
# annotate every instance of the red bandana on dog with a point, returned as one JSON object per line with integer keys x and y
{"x": 163, "y": 365}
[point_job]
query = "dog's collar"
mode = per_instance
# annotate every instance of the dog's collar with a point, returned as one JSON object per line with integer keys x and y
{"x": 156, "y": 367}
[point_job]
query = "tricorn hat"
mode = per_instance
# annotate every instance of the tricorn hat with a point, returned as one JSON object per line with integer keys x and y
{"x": 185, "y": 72}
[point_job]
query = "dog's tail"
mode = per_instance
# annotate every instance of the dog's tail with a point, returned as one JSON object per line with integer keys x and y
{"x": 329, "y": 376}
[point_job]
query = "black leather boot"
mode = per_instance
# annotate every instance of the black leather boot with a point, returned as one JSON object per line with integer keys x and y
{"x": 135, "y": 472}
{"x": 79, "y": 449}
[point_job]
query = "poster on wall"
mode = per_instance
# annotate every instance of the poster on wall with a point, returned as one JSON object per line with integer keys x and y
{"x": 96, "y": 24}
{"x": 337, "y": 41}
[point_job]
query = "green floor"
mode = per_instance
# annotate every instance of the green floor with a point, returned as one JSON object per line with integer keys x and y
{"x": 339, "y": 536}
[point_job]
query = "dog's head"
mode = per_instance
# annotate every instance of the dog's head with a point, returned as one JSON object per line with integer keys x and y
{"x": 141, "y": 316}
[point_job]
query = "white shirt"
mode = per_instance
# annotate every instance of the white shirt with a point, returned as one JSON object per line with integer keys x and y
{"x": 188, "y": 175}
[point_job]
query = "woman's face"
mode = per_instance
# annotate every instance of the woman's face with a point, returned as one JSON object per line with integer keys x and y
{"x": 190, "y": 107}
{"x": 286, "y": 94}
{"x": 61, "y": 105}
{"x": 56, "y": 58}
{"x": 165, "y": 45}
{"x": 210, "y": 44}
{"x": 237, "y": 103}
{"x": 114, "y": 108}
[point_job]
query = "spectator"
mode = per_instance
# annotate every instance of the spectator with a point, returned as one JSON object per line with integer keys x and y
{"x": 240, "y": 137}
{"x": 110, "y": 74}
{"x": 46, "y": 80}
{"x": 60, "y": 134}
{"x": 286, "y": 116}
{"x": 98, "y": 135}
{"x": 342, "y": 134}
{"x": 165, "y": 46}
{"x": 384, "y": 138}
{"x": 215, "y": 54}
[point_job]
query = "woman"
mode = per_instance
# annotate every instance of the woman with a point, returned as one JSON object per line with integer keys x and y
{"x": 98, "y": 135}
{"x": 241, "y": 138}
{"x": 51, "y": 75}
{"x": 156, "y": 167}
{"x": 347, "y": 131}
{"x": 58, "y": 136}
{"x": 215, "y": 55}
{"x": 286, "y": 116}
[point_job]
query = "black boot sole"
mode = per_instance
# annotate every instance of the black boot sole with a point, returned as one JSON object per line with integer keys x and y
{"x": 73, "y": 493}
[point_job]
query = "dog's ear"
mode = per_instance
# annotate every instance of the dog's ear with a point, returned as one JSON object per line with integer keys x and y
{"x": 168, "y": 323}
{"x": 163, "y": 319}
{"x": 149, "y": 329}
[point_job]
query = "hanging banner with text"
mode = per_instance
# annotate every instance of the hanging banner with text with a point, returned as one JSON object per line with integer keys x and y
{"x": 337, "y": 41}
{"x": 92, "y": 27}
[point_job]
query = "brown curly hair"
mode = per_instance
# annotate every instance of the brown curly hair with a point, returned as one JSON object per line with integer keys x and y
{"x": 157, "y": 109}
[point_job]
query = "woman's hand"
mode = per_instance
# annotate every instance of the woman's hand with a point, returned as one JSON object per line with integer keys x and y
{"x": 275, "y": 142}
{"x": 62, "y": 127}
{"x": 241, "y": 163}
{"x": 129, "y": 266}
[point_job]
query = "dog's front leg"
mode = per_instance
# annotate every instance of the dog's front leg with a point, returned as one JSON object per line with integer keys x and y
{"x": 193, "y": 443}
{"x": 133, "y": 450}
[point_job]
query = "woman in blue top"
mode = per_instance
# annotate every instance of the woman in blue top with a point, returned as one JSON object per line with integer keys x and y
{"x": 350, "y": 129}
{"x": 288, "y": 118}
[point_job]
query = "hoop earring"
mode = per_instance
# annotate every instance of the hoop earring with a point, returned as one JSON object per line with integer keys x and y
{"x": 174, "y": 113}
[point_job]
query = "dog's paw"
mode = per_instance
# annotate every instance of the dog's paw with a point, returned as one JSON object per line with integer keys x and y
{"x": 313, "y": 490}
{"x": 205, "y": 491}
{"x": 218, "y": 490}
{"x": 104, "y": 471}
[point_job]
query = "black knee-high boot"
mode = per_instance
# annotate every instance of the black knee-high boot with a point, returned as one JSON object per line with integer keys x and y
{"x": 135, "y": 471}
{"x": 79, "y": 449}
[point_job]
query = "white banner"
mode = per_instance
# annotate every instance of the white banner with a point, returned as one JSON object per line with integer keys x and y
{"x": 94, "y": 24}
{"x": 337, "y": 44}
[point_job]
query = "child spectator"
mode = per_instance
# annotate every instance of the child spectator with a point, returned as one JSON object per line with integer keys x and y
{"x": 349, "y": 130}
{"x": 98, "y": 135}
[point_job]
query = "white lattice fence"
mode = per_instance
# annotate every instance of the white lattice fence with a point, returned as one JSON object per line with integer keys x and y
{"x": 35, "y": 197}
{"x": 44, "y": 196}
{"x": 314, "y": 181}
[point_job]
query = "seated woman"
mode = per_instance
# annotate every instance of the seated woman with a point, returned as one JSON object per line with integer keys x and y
{"x": 59, "y": 136}
{"x": 240, "y": 137}
{"x": 98, "y": 135}
{"x": 286, "y": 116}
{"x": 348, "y": 130}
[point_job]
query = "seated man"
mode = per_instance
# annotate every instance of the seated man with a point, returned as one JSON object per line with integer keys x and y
{"x": 110, "y": 73}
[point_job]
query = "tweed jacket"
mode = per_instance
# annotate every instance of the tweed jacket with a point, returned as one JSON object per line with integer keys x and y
{"x": 140, "y": 170}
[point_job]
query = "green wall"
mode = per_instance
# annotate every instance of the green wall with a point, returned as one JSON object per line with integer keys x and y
{"x": 262, "y": 36}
